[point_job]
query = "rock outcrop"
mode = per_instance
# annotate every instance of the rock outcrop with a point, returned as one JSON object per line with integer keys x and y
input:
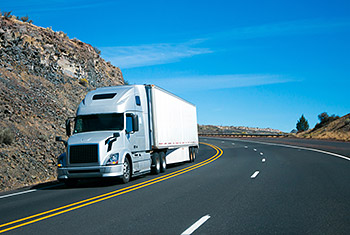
{"x": 43, "y": 77}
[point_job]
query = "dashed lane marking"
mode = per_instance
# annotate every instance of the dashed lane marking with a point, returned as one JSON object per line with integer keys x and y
{"x": 196, "y": 225}
{"x": 254, "y": 175}
{"x": 299, "y": 148}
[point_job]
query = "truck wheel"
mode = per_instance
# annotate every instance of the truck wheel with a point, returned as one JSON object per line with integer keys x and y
{"x": 191, "y": 154}
{"x": 194, "y": 154}
{"x": 162, "y": 161}
{"x": 155, "y": 163}
{"x": 126, "y": 171}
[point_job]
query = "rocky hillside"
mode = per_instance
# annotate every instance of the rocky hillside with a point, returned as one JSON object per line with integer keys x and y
{"x": 338, "y": 129}
{"x": 211, "y": 129}
{"x": 43, "y": 77}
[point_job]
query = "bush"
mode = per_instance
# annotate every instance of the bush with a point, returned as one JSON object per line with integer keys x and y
{"x": 6, "y": 136}
{"x": 83, "y": 81}
{"x": 325, "y": 119}
{"x": 24, "y": 18}
{"x": 7, "y": 14}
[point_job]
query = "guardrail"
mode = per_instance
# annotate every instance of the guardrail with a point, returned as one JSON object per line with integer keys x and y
{"x": 272, "y": 135}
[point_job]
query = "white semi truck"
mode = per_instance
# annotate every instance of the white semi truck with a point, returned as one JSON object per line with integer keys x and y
{"x": 125, "y": 131}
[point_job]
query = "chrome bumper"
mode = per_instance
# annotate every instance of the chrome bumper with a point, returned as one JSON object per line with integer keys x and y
{"x": 89, "y": 172}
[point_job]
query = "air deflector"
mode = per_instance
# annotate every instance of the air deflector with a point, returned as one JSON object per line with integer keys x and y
{"x": 104, "y": 96}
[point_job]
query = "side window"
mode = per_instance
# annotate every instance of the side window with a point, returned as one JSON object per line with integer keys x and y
{"x": 128, "y": 124}
{"x": 138, "y": 100}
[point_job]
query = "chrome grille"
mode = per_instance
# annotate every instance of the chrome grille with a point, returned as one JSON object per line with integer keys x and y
{"x": 83, "y": 154}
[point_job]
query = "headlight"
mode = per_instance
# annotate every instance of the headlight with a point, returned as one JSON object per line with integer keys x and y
{"x": 113, "y": 159}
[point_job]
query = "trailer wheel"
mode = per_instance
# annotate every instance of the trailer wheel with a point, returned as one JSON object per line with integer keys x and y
{"x": 126, "y": 171}
{"x": 155, "y": 164}
{"x": 191, "y": 154}
{"x": 162, "y": 162}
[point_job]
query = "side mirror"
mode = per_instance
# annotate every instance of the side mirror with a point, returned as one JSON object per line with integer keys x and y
{"x": 68, "y": 128}
{"x": 135, "y": 123}
{"x": 59, "y": 139}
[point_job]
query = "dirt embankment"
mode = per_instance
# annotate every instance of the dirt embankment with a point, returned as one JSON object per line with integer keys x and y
{"x": 338, "y": 129}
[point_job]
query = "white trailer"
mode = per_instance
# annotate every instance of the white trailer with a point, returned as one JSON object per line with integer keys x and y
{"x": 126, "y": 131}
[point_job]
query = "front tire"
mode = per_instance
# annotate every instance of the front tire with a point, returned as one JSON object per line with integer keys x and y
{"x": 126, "y": 172}
{"x": 155, "y": 164}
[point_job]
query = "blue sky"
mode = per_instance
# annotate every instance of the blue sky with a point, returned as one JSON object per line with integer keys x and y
{"x": 243, "y": 63}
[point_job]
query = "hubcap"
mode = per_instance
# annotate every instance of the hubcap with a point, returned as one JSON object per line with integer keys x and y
{"x": 164, "y": 163}
{"x": 158, "y": 164}
{"x": 126, "y": 170}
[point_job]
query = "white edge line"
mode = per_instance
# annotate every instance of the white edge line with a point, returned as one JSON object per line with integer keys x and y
{"x": 19, "y": 193}
{"x": 196, "y": 225}
{"x": 29, "y": 191}
{"x": 299, "y": 147}
{"x": 254, "y": 175}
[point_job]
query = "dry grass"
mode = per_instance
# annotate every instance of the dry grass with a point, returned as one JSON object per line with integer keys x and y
{"x": 338, "y": 130}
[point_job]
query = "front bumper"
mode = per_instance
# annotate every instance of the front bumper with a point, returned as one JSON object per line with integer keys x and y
{"x": 89, "y": 172}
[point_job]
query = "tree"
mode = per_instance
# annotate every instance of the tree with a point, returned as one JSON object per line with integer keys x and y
{"x": 323, "y": 117}
{"x": 302, "y": 124}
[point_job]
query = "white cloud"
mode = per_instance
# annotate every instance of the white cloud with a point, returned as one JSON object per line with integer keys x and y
{"x": 213, "y": 82}
{"x": 151, "y": 54}
{"x": 283, "y": 28}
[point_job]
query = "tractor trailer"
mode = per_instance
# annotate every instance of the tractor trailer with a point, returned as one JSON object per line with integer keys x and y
{"x": 126, "y": 131}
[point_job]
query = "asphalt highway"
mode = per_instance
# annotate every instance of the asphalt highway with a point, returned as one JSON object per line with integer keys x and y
{"x": 235, "y": 186}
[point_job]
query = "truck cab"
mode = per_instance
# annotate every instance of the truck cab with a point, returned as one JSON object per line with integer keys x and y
{"x": 109, "y": 137}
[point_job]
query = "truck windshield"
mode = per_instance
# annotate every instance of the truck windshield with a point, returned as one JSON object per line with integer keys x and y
{"x": 99, "y": 122}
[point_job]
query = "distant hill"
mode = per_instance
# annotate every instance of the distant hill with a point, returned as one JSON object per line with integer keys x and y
{"x": 43, "y": 77}
{"x": 212, "y": 129}
{"x": 338, "y": 129}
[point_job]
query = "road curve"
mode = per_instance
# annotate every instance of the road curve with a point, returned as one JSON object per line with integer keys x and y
{"x": 234, "y": 187}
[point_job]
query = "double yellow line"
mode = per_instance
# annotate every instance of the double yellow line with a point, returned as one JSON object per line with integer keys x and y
{"x": 70, "y": 207}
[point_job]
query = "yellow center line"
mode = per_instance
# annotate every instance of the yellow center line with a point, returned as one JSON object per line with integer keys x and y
{"x": 112, "y": 194}
{"x": 106, "y": 194}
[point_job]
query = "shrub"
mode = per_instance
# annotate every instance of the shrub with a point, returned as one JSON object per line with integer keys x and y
{"x": 83, "y": 81}
{"x": 6, "y": 136}
{"x": 24, "y": 18}
{"x": 325, "y": 119}
{"x": 7, "y": 14}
